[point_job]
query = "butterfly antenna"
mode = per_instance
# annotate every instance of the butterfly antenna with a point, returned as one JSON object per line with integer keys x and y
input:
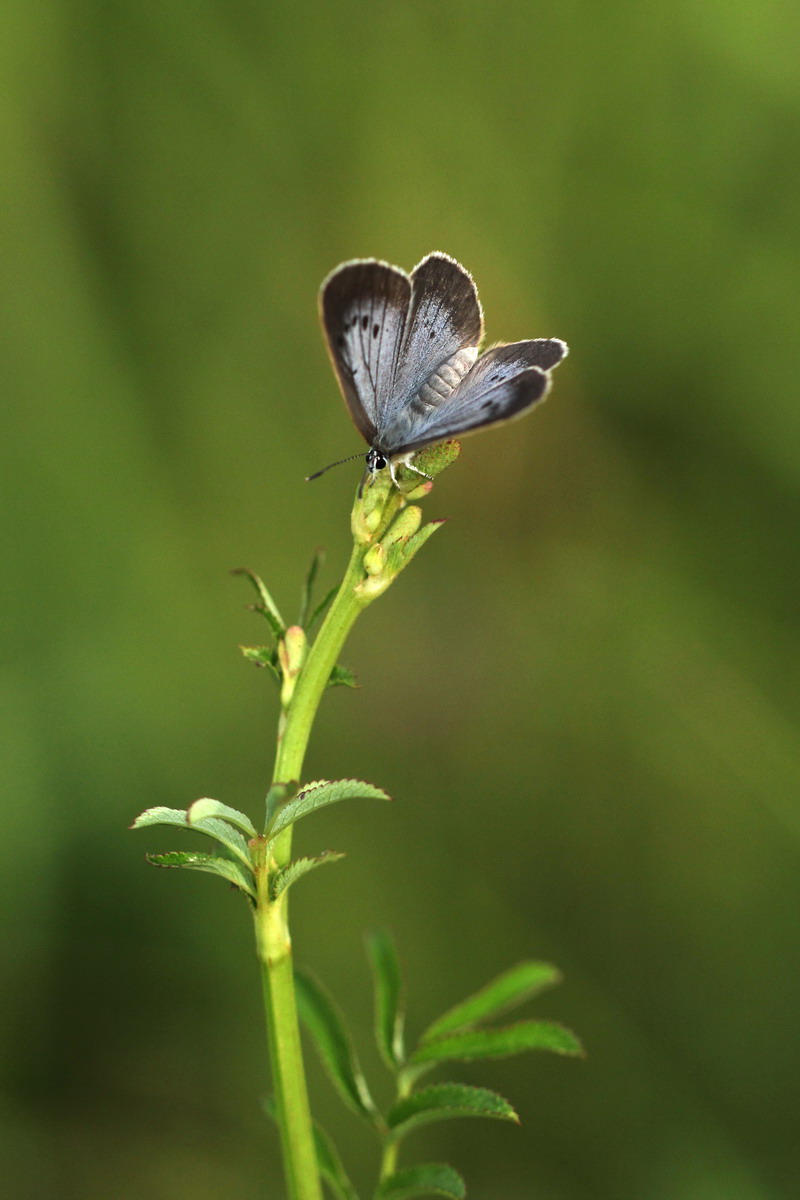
{"x": 338, "y": 463}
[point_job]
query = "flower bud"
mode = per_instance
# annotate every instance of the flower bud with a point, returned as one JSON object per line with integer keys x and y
{"x": 375, "y": 559}
{"x": 403, "y": 526}
{"x": 291, "y": 655}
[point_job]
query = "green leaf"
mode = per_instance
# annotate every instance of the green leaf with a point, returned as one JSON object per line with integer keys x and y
{"x": 223, "y": 833}
{"x": 212, "y": 808}
{"x": 342, "y": 677}
{"x": 446, "y": 1100}
{"x": 308, "y": 585}
{"x": 263, "y": 656}
{"x": 276, "y": 796}
{"x": 267, "y": 607}
{"x": 210, "y": 863}
{"x": 325, "y": 1023}
{"x": 499, "y": 1043}
{"x": 321, "y": 793}
{"x": 320, "y": 609}
{"x": 508, "y": 990}
{"x": 429, "y": 1179}
{"x": 301, "y": 866}
{"x": 331, "y": 1167}
{"x": 161, "y": 816}
{"x": 330, "y": 1164}
{"x": 388, "y": 985}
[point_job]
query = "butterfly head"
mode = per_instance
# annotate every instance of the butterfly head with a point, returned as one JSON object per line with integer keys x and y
{"x": 376, "y": 461}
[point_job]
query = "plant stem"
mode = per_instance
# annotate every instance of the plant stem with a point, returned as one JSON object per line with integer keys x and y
{"x": 313, "y": 678}
{"x": 389, "y": 1157}
{"x": 272, "y": 929}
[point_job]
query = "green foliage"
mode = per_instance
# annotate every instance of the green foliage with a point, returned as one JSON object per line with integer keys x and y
{"x": 331, "y": 1166}
{"x": 445, "y": 1100}
{"x": 263, "y": 656}
{"x": 266, "y": 605}
{"x": 342, "y": 677}
{"x": 300, "y": 867}
{"x": 388, "y": 985}
{"x": 213, "y": 808}
{"x": 516, "y": 985}
{"x": 212, "y": 864}
{"x": 499, "y": 1043}
{"x": 429, "y": 1179}
{"x": 212, "y": 827}
{"x": 318, "y": 795}
{"x": 325, "y": 1024}
{"x": 321, "y": 608}
{"x": 415, "y": 1107}
{"x": 307, "y": 591}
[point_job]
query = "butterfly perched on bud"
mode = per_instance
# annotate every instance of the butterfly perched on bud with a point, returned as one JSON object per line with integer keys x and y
{"x": 405, "y": 352}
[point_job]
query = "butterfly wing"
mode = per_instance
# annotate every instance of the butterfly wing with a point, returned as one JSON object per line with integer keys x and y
{"x": 364, "y": 307}
{"x": 504, "y": 383}
{"x": 440, "y": 343}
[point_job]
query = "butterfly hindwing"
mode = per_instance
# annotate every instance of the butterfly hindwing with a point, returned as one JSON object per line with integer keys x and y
{"x": 504, "y": 383}
{"x": 364, "y": 307}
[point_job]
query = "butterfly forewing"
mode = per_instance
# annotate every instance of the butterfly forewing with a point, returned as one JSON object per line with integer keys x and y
{"x": 443, "y": 331}
{"x": 364, "y": 306}
{"x": 504, "y": 383}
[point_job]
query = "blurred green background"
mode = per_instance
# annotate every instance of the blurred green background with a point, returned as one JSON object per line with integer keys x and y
{"x": 582, "y": 694}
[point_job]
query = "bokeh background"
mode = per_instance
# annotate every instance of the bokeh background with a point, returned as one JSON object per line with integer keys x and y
{"x": 583, "y": 693}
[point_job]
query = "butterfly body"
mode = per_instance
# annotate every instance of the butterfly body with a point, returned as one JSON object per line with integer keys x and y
{"x": 405, "y": 351}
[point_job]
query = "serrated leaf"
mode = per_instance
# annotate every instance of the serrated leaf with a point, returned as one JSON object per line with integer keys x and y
{"x": 342, "y": 677}
{"x": 446, "y": 1100}
{"x": 320, "y": 609}
{"x": 210, "y": 863}
{"x": 499, "y": 1043}
{"x": 268, "y": 608}
{"x": 388, "y": 985}
{"x": 213, "y": 808}
{"x": 428, "y": 1179}
{"x": 301, "y": 866}
{"x": 161, "y": 816}
{"x": 223, "y": 833}
{"x": 276, "y": 796}
{"x": 330, "y": 1164}
{"x": 508, "y": 990}
{"x": 319, "y": 795}
{"x": 325, "y": 1023}
{"x": 307, "y": 592}
{"x": 227, "y": 836}
{"x": 263, "y": 656}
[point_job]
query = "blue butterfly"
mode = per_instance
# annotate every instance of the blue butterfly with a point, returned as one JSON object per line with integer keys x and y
{"x": 405, "y": 352}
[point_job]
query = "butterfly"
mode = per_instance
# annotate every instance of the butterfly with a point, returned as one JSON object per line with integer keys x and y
{"x": 405, "y": 351}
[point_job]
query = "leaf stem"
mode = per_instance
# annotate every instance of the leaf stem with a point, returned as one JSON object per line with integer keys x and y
{"x": 392, "y": 1145}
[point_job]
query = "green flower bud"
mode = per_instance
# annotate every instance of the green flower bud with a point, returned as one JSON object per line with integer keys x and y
{"x": 375, "y": 559}
{"x": 403, "y": 526}
{"x": 291, "y": 655}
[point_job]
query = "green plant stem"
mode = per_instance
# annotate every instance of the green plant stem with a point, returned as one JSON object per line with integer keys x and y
{"x": 389, "y": 1158}
{"x": 313, "y": 679}
{"x": 272, "y": 929}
